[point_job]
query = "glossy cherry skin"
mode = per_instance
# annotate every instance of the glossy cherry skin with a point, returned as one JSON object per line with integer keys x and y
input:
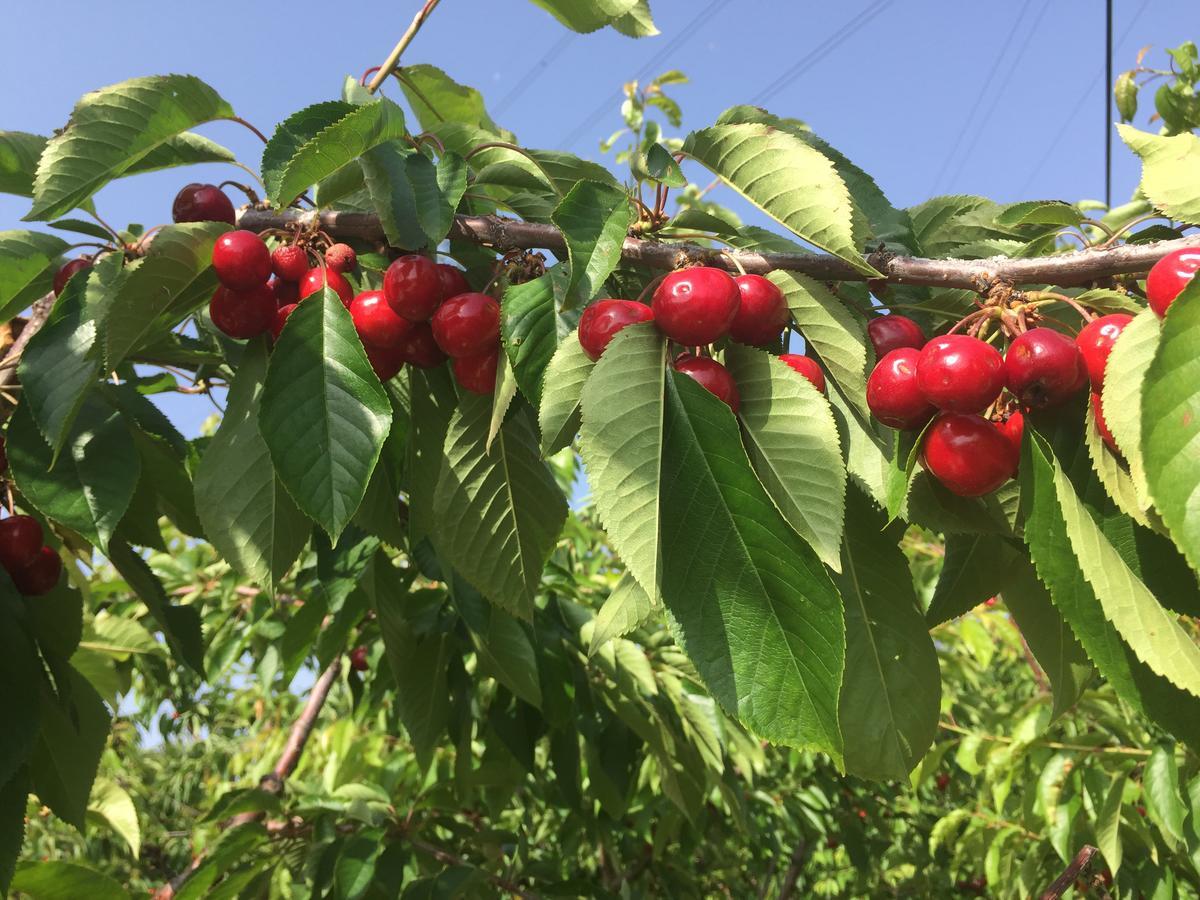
{"x": 386, "y": 361}
{"x": 63, "y": 275}
{"x": 892, "y": 393}
{"x": 712, "y": 376}
{"x": 241, "y": 260}
{"x": 375, "y": 321}
{"x": 358, "y": 659}
{"x": 315, "y": 279}
{"x": 1013, "y": 429}
{"x": 287, "y": 293}
{"x": 20, "y": 540}
{"x": 202, "y": 203}
{"x": 420, "y": 349}
{"x": 478, "y": 373}
{"x": 967, "y": 454}
{"x": 453, "y": 281}
{"x": 413, "y": 288}
{"x": 891, "y": 332}
{"x": 1101, "y": 424}
{"x": 289, "y": 262}
{"x": 807, "y": 367}
{"x": 40, "y": 575}
{"x": 696, "y": 306}
{"x": 1043, "y": 368}
{"x": 243, "y": 314}
{"x": 1169, "y": 276}
{"x": 958, "y": 373}
{"x": 466, "y": 325}
{"x": 281, "y": 317}
{"x": 1096, "y": 341}
{"x": 602, "y": 320}
{"x": 762, "y": 311}
{"x": 341, "y": 258}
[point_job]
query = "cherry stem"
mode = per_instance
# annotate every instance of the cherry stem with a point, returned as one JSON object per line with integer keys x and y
{"x": 736, "y": 262}
{"x": 91, "y": 244}
{"x": 8, "y": 496}
{"x": 262, "y": 137}
{"x": 1124, "y": 229}
{"x": 249, "y": 171}
{"x": 1043, "y": 297}
{"x": 967, "y": 320}
{"x": 116, "y": 236}
{"x": 389, "y": 64}
{"x": 650, "y": 286}
{"x": 245, "y": 189}
{"x": 363, "y": 81}
{"x": 433, "y": 139}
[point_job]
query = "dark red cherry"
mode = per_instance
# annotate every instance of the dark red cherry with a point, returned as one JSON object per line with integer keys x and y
{"x": 413, "y": 287}
{"x": 1096, "y": 341}
{"x": 712, "y": 376}
{"x": 1044, "y": 367}
{"x": 315, "y": 279}
{"x": 281, "y": 317}
{"x": 386, "y": 361}
{"x": 467, "y": 325}
{"x": 807, "y": 367}
{"x": 762, "y": 311}
{"x": 892, "y": 393}
{"x": 452, "y": 280}
{"x": 341, "y": 258}
{"x": 241, "y": 260}
{"x": 1101, "y": 424}
{"x": 20, "y": 540}
{"x": 289, "y": 262}
{"x": 478, "y": 373}
{"x": 604, "y": 318}
{"x": 63, "y": 275}
{"x": 967, "y": 454}
{"x": 420, "y": 349}
{"x": 243, "y": 314}
{"x": 358, "y": 659}
{"x": 1169, "y": 276}
{"x": 40, "y": 575}
{"x": 1013, "y": 429}
{"x": 696, "y": 306}
{"x": 958, "y": 373}
{"x": 286, "y": 292}
{"x": 202, "y": 203}
{"x": 891, "y": 332}
{"x": 375, "y": 321}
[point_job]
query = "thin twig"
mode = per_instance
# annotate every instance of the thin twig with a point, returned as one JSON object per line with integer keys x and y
{"x": 1063, "y": 882}
{"x": 394, "y": 57}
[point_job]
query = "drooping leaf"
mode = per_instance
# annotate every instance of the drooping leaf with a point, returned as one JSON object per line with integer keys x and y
{"x": 503, "y": 643}
{"x": 637, "y": 23}
{"x": 533, "y": 328}
{"x": 1160, "y": 783}
{"x": 593, "y": 219}
{"x": 559, "y": 413}
{"x": 1124, "y": 375}
{"x": 111, "y": 804}
{"x": 1108, "y": 823}
{"x": 435, "y": 97}
{"x": 1169, "y": 171}
{"x": 180, "y": 625}
{"x": 14, "y": 798}
{"x": 75, "y": 727}
{"x": 436, "y": 191}
{"x": 434, "y": 401}
{"x": 385, "y": 169}
{"x": 28, "y": 261}
{"x": 627, "y": 607}
{"x": 59, "y": 880}
{"x": 587, "y": 15}
{"x": 21, "y": 716}
{"x": 19, "y": 154}
{"x": 977, "y": 567}
{"x": 1112, "y": 474}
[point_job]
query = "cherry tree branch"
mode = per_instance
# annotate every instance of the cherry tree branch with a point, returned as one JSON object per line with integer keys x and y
{"x": 1063, "y": 882}
{"x": 502, "y": 234}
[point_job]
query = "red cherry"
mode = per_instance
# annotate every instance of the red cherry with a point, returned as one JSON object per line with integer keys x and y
{"x": 375, "y": 321}
{"x": 289, "y": 262}
{"x": 341, "y": 258}
{"x": 1044, "y": 367}
{"x": 958, "y": 373}
{"x": 466, "y": 325}
{"x": 478, "y": 373}
{"x": 1013, "y": 429}
{"x": 243, "y": 314}
{"x": 242, "y": 260}
{"x": 20, "y": 540}
{"x": 762, "y": 311}
{"x": 1101, "y": 424}
{"x": 1169, "y": 276}
{"x": 358, "y": 659}
{"x": 420, "y": 349}
{"x": 967, "y": 454}
{"x": 286, "y": 292}
{"x": 315, "y": 279}
{"x": 892, "y": 393}
{"x": 712, "y": 376}
{"x": 413, "y": 287}
{"x": 807, "y": 367}
{"x": 832, "y": 843}
{"x": 943, "y": 781}
{"x": 202, "y": 203}
{"x": 281, "y": 317}
{"x": 602, "y": 320}
{"x": 696, "y": 306}
{"x": 1096, "y": 341}
{"x": 891, "y": 332}
{"x": 63, "y": 275}
{"x": 386, "y": 361}
{"x": 40, "y": 575}
{"x": 452, "y": 280}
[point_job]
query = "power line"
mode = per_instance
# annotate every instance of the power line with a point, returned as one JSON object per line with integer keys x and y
{"x": 534, "y": 72}
{"x": 1108, "y": 98}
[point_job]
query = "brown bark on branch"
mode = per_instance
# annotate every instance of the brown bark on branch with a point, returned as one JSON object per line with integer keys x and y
{"x": 1063, "y": 882}
{"x": 1065, "y": 269}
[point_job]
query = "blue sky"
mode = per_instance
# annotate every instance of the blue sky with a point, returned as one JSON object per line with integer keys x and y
{"x": 1003, "y": 99}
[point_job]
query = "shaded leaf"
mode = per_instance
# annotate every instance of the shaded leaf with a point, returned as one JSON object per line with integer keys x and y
{"x": 593, "y": 219}
{"x": 559, "y": 411}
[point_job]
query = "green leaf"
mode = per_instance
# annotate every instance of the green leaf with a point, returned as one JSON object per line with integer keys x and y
{"x": 14, "y": 797}
{"x": 385, "y": 169}
{"x": 1117, "y": 482}
{"x": 323, "y": 414}
{"x": 1124, "y": 375}
{"x": 74, "y": 731}
{"x": 792, "y": 440}
{"x": 355, "y": 868}
{"x": 498, "y": 515}
{"x": 505, "y": 649}
{"x": 433, "y": 403}
{"x": 622, "y": 447}
{"x": 249, "y": 517}
{"x": 435, "y": 98}
{"x": 1041, "y": 212}
{"x": 243, "y": 800}
{"x": 112, "y": 805}
{"x": 586, "y": 16}
{"x": 977, "y": 567}
{"x": 637, "y": 23}
{"x": 293, "y": 133}
{"x": 184, "y": 149}
{"x": 180, "y": 625}
{"x": 116, "y": 636}
{"x": 663, "y": 168}
{"x": 748, "y": 600}
{"x": 436, "y": 191}
{"x": 28, "y": 263}
{"x": 628, "y": 607}
{"x": 533, "y": 329}
{"x": 21, "y": 716}
{"x": 19, "y": 154}
{"x": 114, "y": 128}
{"x": 787, "y": 179}
{"x": 56, "y": 880}
{"x": 562, "y": 387}
{"x": 1169, "y": 171}
{"x": 594, "y": 219}
{"x": 1108, "y": 823}
{"x": 1160, "y": 784}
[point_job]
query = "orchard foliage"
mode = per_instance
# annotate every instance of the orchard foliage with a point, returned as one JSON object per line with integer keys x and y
{"x": 724, "y": 665}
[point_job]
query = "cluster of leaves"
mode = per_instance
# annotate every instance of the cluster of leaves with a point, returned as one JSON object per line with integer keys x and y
{"x": 1176, "y": 103}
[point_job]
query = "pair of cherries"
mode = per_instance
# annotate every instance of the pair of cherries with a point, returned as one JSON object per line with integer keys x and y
{"x": 33, "y": 567}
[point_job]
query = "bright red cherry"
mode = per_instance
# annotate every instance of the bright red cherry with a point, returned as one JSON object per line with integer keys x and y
{"x": 478, "y": 373}
{"x": 1096, "y": 341}
{"x": 892, "y": 393}
{"x": 286, "y": 292}
{"x": 602, "y": 320}
{"x": 341, "y": 258}
{"x": 289, "y": 262}
{"x": 958, "y": 373}
{"x": 202, "y": 203}
{"x": 1169, "y": 276}
{"x": 243, "y": 314}
{"x": 315, "y": 279}
{"x": 712, "y": 376}
{"x": 466, "y": 325}
{"x": 420, "y": 349}
{"x": 1101, "y": 424}
{"x": 806, "y": 366}
{"x": 1044, "y": 367}
{"x": 1013, "y": 429}
{"x": 696, "y": 306}
{"x": 358, "y": 659}
{"x": 20, "y": 540}
{"x": 762, "y": 311}
{"x": 386, "y": 361}
{"x": 413, "y": 287}
{"x": 967, "y": 454}
{"x": 281, "y": 317}
{"x": 375, "y": 321}
{"x": 40, "y": 575}
{"x": 241, "y": 260}
{"x": 63, "y": 275}
{"x": 891, "y": 332}
{"x": 452, "y": 280}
